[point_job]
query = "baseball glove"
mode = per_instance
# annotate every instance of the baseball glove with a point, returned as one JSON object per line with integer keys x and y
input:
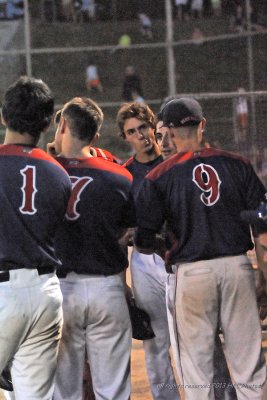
{"x": 140, "y": 320}
{"x": 5, "y": 380}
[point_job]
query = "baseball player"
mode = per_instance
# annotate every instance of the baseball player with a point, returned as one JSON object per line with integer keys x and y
{"x": 163, "y": 139}
{"x": 96, "y": 316}
{"x": 34, "y": 193}
{"x": 136, "y": 122}
{"x": 223, "y": 387}
{"x": 199, "y": 193}
{"x": 94, "y": 151}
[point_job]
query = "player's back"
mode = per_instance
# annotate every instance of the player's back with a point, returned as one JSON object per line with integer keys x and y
{"x": 204, "y": 193}
{"x": 34, "y": 193}
{"x": 98, "y": 209}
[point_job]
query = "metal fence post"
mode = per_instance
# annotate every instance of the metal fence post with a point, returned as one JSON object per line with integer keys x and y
{"x": 27, "y": 38}
{"x": 169, "y": 49}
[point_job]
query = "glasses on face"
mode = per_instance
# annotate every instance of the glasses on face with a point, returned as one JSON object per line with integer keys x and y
{"x": 142, "y": 129}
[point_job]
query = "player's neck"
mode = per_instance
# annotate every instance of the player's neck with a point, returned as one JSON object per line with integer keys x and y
{"x": 12, "y": 137}
{"x": 76, "y": 151}
{"x": 188, "y": 145}
{"x": 148, "y": 156}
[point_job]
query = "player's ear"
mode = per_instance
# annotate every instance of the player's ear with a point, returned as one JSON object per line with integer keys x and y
{"x": 2, "y": 121}
{"x": 62, "y": 125}
{"x": 203, "y": 123}
{"x": 95, "y": 138}
{"x": 200, "y": 130}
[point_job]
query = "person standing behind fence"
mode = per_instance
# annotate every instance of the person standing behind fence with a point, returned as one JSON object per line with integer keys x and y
{"x": 241, "y": 115}
{"x": 131, "y": 83}
{"x": 145, "y": 25}
{"x": 199, "y": 194}
{"x": 93, "y": 81}
{"x": 181, "y": 9}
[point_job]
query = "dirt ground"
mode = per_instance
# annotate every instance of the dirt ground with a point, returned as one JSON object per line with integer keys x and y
{"x": 140, "y": 385}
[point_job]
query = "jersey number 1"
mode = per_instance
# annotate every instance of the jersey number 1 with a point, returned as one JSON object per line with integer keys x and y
{"x": 28, "y": 190}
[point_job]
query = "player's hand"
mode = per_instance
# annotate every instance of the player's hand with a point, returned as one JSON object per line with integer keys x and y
{"x": 128, "y": 292}
{"x": 51, "y": 149}
{"x": 262, "y": 301}
{"x": 160, "y": 246}
{"x": 127, "y": 238}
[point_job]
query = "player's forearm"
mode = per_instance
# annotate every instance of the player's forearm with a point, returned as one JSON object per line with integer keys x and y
{"x": 262, "y": 265}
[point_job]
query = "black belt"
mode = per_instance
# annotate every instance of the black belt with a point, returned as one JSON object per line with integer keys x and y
{"x": 5, "y": 276}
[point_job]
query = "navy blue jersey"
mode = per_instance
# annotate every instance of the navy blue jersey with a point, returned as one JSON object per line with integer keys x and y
{"x": 139, "y": 171}
{"x": 200, "y": 195}
{"x": 34, "y": 193}
{"x": 98, "y": 210}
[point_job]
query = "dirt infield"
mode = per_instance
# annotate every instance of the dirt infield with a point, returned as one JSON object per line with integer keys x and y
{"x": 140, "y": 385}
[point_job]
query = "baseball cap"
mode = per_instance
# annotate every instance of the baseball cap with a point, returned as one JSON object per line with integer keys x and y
{"x": 184, "y": 111}
{"x": 257, "y": 217}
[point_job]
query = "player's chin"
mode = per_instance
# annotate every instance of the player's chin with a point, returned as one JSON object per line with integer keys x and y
{"x": 167, "y": 153}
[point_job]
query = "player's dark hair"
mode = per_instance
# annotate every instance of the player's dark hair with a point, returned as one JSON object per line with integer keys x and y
{"x": 84, "y": 117}
{"x": 28, "y": 106}
{"x": 135, "y": 110}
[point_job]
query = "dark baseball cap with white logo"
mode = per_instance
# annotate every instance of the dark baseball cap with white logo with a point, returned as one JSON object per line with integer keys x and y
{"x": 184, "y": 111}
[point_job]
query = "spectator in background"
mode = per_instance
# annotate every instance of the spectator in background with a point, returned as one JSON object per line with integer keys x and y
{"x": 241, "y": 111}
{"x": 92, "y": 9}
{"x": 131, "y": 83}
{"x": 216, "y": 7}
{"x": 125, "y": 40}
{"x": 197, "y": 35}
{"x": 237, "y": 20}
{"x": 3, "y": 10}
{"x": 181, "y": 9}
{"x": 92, "y": 78}
{"x": 137, "y": 98}
{"x": 145, "y": 25}
{"x": 85, "y": 10}
{"x": 197, "y": 8}
{"x": 77, "y": 10}
{"x": 88, "y": 10}
{"x": 67, "y": 10}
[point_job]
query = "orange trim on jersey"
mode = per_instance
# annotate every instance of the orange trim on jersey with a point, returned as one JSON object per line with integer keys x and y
{"x": 128, "y": 162}
{"x": 180, "y": 158}
{"x": 95, "y": 163}
{"x": 107, "y": 155}
{"x": 23, "y": 150}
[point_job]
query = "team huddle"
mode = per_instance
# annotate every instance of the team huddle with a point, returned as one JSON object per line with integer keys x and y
{"x": 70, "y": 215}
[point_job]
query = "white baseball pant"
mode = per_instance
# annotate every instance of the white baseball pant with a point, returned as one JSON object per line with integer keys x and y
{"x": 31, "y": 322}
{"x": 205, "y": 290}
{"x": 96, "y": 318}
{"x": 149, "y": 289}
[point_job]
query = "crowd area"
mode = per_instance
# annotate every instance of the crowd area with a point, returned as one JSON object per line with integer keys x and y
{"x": 86, "y": 11}
{"x": 190, "y": 212}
